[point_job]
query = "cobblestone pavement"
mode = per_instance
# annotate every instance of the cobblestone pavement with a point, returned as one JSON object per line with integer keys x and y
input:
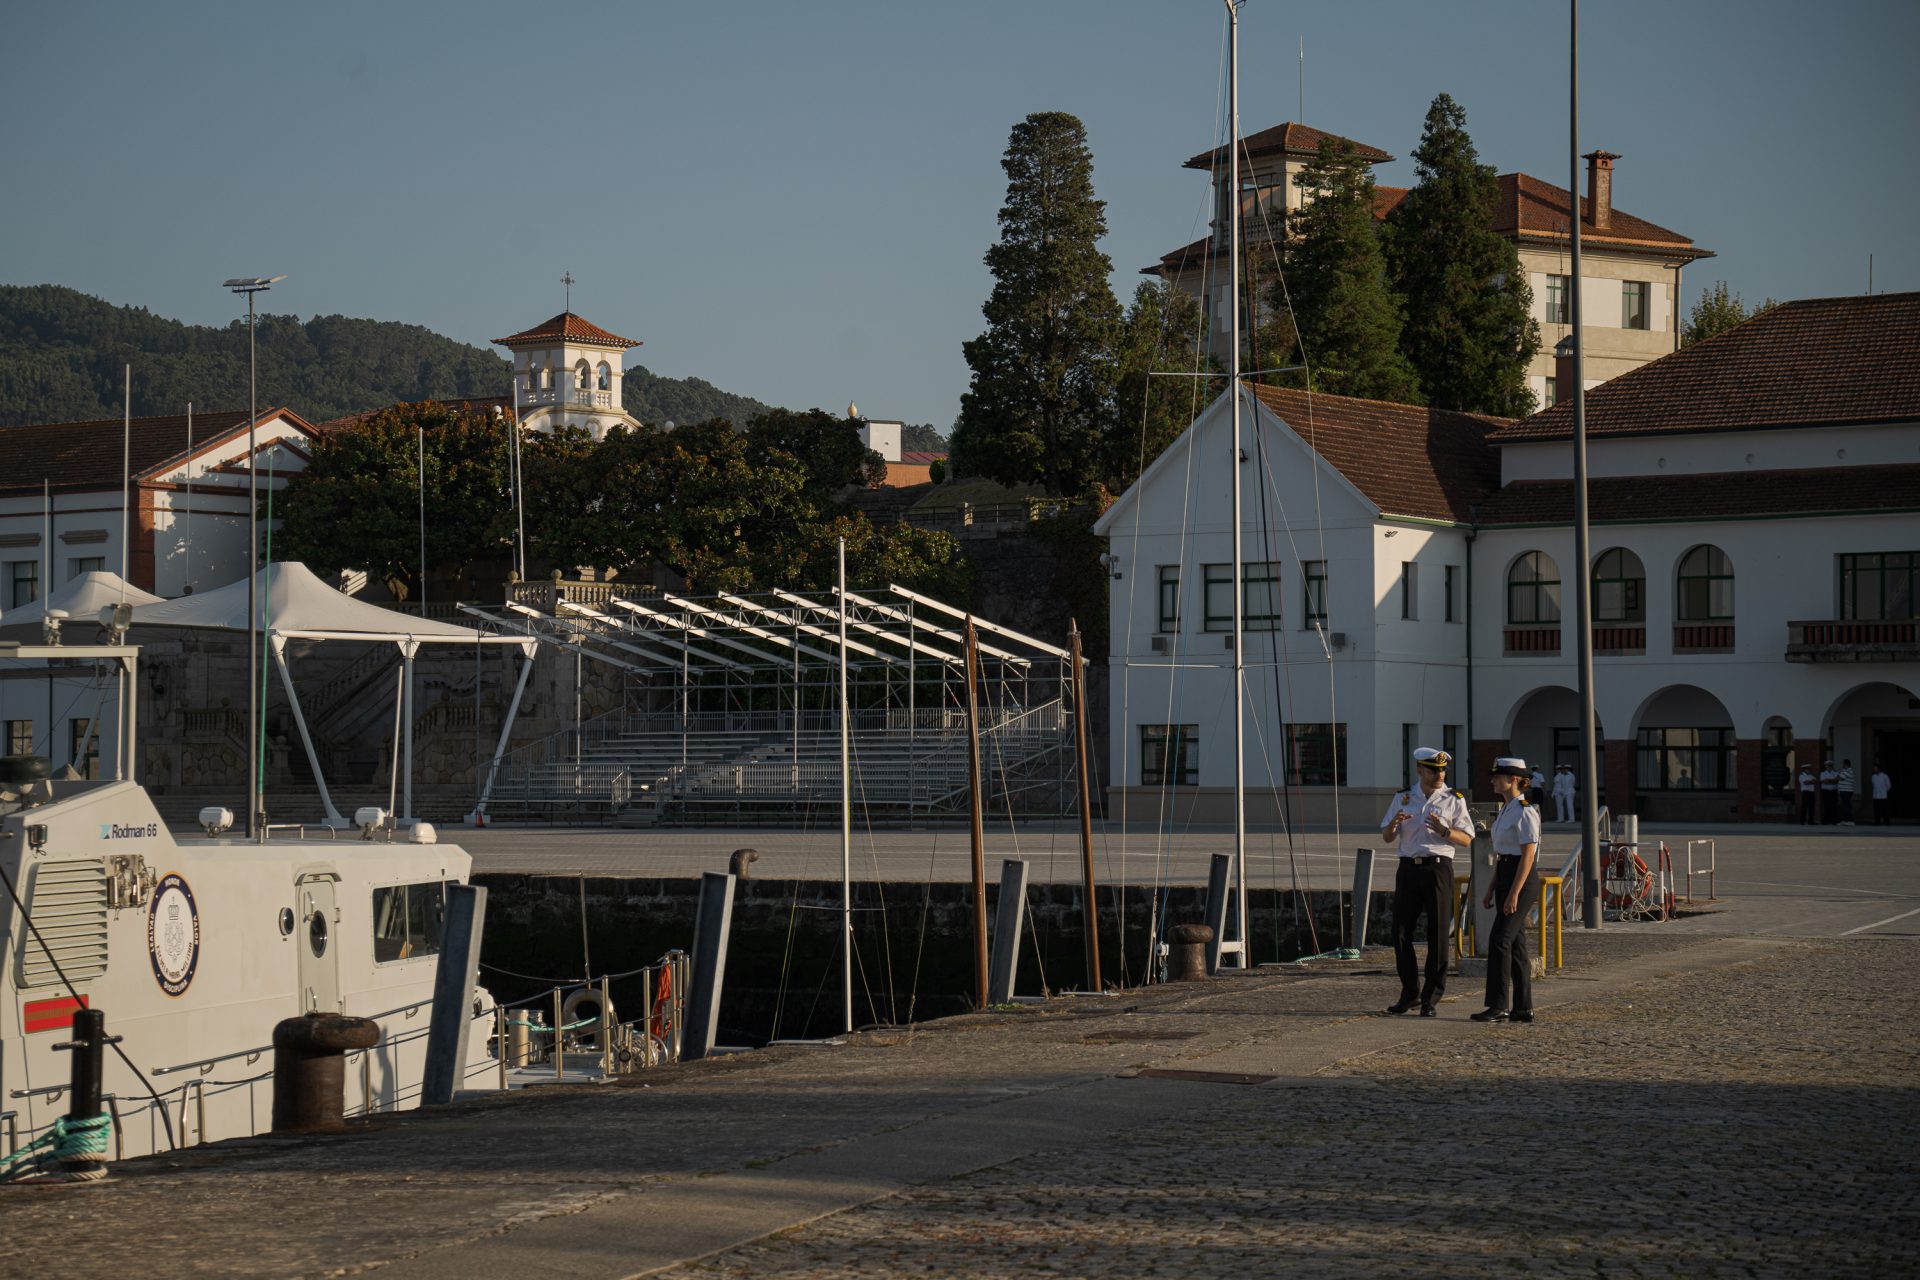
{"x": 1754, "y": 1120}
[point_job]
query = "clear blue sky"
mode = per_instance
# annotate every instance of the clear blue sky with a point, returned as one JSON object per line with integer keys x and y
{"x": 792, "y": 199}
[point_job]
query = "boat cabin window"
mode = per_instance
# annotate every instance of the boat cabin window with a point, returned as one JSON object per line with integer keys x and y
{"x": 408, "y": 920}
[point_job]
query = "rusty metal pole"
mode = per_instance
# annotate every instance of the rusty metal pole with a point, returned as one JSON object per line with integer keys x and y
{"x": 1090, "y": 912}
{"x": 976, "y": 818}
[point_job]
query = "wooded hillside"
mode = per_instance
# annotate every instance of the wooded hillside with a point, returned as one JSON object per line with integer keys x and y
{"x": 61, "y": 353}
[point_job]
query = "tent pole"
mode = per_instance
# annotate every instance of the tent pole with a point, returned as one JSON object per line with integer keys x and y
{"x": 393, "y": 757}
{"x": 407, "y": 650}
{"x": 279, "y": 646}
{"x": 506, "y": 730}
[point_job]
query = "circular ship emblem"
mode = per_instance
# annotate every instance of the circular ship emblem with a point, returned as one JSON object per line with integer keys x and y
{"x": 173, "y": 934}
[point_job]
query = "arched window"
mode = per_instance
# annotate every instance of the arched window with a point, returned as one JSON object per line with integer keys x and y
{"x": 1705, "y": 586}
{"x": 582, "y": 376}
{"x": 546, "y": 377}
{"x": 1619, "y": 588}
{"x": 1533, "y": 589}
{"x": 605, "y": 376}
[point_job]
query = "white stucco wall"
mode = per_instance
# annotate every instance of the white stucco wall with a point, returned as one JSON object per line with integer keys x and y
{"x": 1784, "y": 570}
{"x": 1389, "y": 671}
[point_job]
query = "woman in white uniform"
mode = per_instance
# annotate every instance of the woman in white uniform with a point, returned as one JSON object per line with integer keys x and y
{"x": 1514, "y": 894}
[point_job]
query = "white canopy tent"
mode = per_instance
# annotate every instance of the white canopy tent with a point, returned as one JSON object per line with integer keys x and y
{"x": 296, "y": 605}
{"x": 82, "y": 599}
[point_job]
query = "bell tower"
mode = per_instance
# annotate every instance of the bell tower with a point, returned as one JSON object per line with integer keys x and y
{"x": 567, "y": 373}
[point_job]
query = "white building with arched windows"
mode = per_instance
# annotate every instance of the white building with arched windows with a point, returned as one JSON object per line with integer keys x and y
{"x": 1755, "y": 533}
{"x": 567, "y": 372}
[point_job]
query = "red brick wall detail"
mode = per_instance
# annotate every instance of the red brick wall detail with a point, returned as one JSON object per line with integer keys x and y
{"x": 1484, "y": 752}
{"x": 1618, "y": 787}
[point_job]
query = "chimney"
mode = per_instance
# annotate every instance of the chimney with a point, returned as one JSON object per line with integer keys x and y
{"x": 1562, "y": 370}
{"x": 1600, "y": 188}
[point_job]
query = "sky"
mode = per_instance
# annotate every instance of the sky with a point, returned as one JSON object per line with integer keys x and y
{"x": 791, "y": 200}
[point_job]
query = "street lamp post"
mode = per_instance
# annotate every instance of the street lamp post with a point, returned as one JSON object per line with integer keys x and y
{"x": 251, "y": 285}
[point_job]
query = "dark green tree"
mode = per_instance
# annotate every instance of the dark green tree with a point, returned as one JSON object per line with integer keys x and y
{"x": 357, "y": 503}
{"x": 1718, "y": 310}
{"x": 1349, "y": 320}
{"x": 923, "y": 437}
{"x": 1164, "y": 332}
{"x": 827, "y": 446}
{"x": 1041, "y": 401}
{"x": 1468, "y": 330}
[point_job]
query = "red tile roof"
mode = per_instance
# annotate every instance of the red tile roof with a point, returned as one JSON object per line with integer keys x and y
{"x": 921, "y": 457}
{"x": 1529, "y": 209}
{"x": 1408, "y": 461}
{"x": 566, "y": 327}
{"x": 86, "y": 455}
{"x": 1726, "y": 495}
{"x": 1283, "y": 139}
{"x": 1813, "y": 363}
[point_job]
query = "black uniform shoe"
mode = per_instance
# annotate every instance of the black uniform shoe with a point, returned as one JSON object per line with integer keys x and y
{"x": 1493, "y": 1015}
{"x": 1521, "y": 1015}
{"x": 1428, "y": 1011}
{"x": 1402, "y": 1006}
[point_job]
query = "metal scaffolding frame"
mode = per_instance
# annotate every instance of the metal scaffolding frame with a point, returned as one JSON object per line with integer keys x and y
{"x": 747, "y": 683}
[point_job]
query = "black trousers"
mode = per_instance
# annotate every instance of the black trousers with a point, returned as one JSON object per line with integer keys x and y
{"x": 1846, "y": 806}
{"x": 1806, "y": 808}
{"x": 1509, "y": 962}
{"x": 1829, "y": 807}
{"x": 1423, "y": 888}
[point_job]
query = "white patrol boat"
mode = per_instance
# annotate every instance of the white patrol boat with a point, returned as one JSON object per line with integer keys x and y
{"x": 194, "y": 949}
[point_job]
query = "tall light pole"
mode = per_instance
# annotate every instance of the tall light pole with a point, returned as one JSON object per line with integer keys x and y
{"x": 251, "y": 285}
{"x": 1589, "y": 791}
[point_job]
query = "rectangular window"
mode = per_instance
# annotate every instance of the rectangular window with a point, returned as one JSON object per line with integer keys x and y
{"x": 1317, "y": 754}
{"x": 1169, "y": 755}
{"x": 1453, "y": 593}
{"x": 1409, "y": 742}
{"x": 1169, "y": 597}
{"x": 1634, "y": 304}
{"x": 1409, "y": 589}
{"x": 1558, "y": 300}
{"x": 85, "y": 753}
{"x": 1880, "y": 586}
{"x": 1553, "y": 393}
{"x": 23, "y": 583}
{"x": 1313, "y": 579}
{"x": 1260, "y": 600}
{"x": 20, "y": 737}
{"x": 1685, "y": 760}
{"x": 408, "y": 921}
{"x": 88, "y": 564}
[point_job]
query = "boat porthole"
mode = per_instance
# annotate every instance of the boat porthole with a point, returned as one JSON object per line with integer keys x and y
{"x": 317, "y": 933}
{"x": 286, "y": 922}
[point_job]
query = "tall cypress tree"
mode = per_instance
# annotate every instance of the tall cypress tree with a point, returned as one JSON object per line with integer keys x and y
{"x": 1042, "y": 393}
{"x": 1349, "y": 321}
{"x": 1469, "y": 330}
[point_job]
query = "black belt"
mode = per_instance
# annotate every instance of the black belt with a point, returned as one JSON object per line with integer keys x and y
{"x": 1511, "y": 857}
{"x": 1429, "y": 859}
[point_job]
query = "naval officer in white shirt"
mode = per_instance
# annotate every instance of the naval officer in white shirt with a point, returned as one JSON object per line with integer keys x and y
{"x": 1429, "y": 822}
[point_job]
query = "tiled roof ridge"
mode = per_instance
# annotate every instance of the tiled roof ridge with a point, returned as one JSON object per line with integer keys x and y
{"x": 1490, "y": 419}
{"x": 568, "y": 325}
{"x": 1808, "y": 362}
{"x": 1279, "y": 137}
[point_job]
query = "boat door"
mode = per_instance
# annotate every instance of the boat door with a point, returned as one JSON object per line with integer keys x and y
{"x": 317, "y": 932}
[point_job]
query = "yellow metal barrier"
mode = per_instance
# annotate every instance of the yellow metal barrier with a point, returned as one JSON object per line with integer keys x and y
{"x": 1555, "y": 884}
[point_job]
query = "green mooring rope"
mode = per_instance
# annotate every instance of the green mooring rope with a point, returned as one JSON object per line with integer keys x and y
{"x": 67, "y": 1140}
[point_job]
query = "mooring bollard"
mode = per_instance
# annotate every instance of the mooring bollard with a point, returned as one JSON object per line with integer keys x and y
{"x": 741, "y": 859}
{"x": 1188, "y": 958}
{"x": 80, "y": 1155}
{"x": 310, "y": 1069}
